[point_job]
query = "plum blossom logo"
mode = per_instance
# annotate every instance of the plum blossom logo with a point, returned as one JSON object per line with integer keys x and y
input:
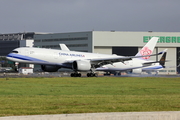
{"x": 146, "y": 51}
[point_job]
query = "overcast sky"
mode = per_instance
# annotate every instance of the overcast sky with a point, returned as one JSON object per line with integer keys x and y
{"x": 58, "y": 16}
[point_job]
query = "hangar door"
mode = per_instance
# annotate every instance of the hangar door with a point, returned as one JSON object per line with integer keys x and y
{"x": 178, "y": 60}
{"x": 125, "y": 51}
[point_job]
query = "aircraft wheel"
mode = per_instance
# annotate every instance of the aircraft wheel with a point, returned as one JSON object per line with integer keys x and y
{"x": 79, "y": 74}
{"x": 72, "y": 74}
{"x": 75, "y": 74}
{"x": 95, "y": 74}
{"x": 119, "y": 74}
{"x": 92, "y": 75}
{"x": 88, "y": 74}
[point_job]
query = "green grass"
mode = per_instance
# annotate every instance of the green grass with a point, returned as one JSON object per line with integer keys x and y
{"x": 32, "y": 96}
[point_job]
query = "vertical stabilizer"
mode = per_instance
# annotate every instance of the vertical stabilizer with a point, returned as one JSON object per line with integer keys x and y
{"x": 148, "y": 48}
{"x": 163, "y": 60}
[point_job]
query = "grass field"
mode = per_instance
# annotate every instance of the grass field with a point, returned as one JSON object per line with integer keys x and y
{"x": 32, "y": 96}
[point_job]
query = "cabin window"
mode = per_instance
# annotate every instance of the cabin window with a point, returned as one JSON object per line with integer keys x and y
{"x": 14, "y": 51}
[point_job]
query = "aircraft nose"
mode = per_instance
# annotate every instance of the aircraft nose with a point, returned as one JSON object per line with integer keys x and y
{"x": 9, "y": 56}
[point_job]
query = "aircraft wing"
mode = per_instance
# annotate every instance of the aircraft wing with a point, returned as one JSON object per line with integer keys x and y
{"x": 98, "y": 62}
{"x": 104, "y": 61}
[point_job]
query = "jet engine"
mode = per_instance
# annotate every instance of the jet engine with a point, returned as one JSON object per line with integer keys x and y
{"x": 81, "y": 65}
{"x": 137, "y": 71}
{"x": 49, "y": 68}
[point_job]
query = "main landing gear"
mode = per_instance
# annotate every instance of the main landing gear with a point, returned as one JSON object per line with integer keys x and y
{"x": 92, "y": 74}
{"x": 76, "y": 74}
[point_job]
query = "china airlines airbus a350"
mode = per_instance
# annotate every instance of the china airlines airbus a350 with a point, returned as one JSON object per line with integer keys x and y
{"x": 51, "y": 60}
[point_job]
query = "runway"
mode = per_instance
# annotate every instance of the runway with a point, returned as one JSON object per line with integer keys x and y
{"x": 67, "y": 74}
{"x": 165, "y": 115}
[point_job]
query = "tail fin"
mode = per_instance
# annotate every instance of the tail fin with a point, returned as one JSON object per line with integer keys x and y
{"x": 148, "y": 48}
{"x": 163, "y": 60}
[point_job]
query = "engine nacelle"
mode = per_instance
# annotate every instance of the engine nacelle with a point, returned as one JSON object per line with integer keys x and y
{"x": 81, "y": 65}
{"x": 137, "y": 71}
{"x": 49, "y": 68}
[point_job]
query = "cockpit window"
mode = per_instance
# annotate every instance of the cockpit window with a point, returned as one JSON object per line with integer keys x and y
{"x": 14, "y": 51}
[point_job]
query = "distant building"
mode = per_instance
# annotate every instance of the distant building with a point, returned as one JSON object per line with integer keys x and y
{"x": 8, "y": 42}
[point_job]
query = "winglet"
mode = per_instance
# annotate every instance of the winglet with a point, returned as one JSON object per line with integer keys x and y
{"x": 64, "y": 47}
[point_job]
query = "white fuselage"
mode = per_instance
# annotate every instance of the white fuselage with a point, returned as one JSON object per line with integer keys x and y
{"x": 51, "y": 56}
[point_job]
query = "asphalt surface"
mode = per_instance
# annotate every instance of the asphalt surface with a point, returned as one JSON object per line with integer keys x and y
{"x": 65, "y": 74}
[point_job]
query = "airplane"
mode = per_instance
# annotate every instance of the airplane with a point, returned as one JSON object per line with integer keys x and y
{"x": 51, "y": 59}
{"x": 136, "y": 65}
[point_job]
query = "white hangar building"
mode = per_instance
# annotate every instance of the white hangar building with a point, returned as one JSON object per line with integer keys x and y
{"x": 116, "y": 42}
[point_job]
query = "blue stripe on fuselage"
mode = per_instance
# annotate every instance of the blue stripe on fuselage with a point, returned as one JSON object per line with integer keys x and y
{"x": 22, "y": 57}
{"x": 155, "y": 67}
